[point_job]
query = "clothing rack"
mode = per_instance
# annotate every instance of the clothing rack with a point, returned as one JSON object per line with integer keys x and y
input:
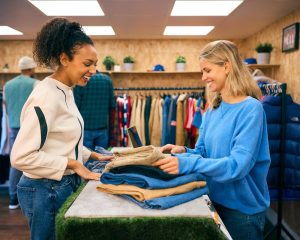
{"x": 159, "y": 89}
{"x": 275, "y": 89}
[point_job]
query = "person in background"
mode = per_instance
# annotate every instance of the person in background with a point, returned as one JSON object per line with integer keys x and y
{"x": 48, "y": 148}
{"x": 16, "y": 92}
{"x": 232, "y": 149}
{"x": 95, "y": 102}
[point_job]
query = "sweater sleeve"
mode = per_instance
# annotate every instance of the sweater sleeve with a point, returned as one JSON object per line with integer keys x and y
{"x": 246, "y": 140}
{"x": 27, "y": 154}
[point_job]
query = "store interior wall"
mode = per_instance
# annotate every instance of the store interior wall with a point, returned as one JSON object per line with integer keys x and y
{"x": 289, "y": 70}
{"x": 148, "y": 53}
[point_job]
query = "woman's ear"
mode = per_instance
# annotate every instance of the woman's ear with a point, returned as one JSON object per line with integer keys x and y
{"x": 63, "y": 59}
{"x": 227, "y": 66}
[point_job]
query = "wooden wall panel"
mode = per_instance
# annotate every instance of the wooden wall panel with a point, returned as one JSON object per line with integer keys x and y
{"x": 289, "y": 70}
{"x": 146, "y": 53}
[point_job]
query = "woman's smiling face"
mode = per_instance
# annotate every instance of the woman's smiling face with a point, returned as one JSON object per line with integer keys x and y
{"x": 214, "y": 75}
{"x": 82, "y": 66}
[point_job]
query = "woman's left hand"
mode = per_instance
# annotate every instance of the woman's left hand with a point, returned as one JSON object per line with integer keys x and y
{"x": 101, "y": 157}
{"x": 169, "y": 164}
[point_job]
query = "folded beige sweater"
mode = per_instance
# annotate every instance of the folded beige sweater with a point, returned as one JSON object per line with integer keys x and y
{"x": 142, "y": 194}
{"x": 145, "y": 155}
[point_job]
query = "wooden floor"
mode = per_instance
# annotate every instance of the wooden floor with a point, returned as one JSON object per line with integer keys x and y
{"x": 13, "y": 225}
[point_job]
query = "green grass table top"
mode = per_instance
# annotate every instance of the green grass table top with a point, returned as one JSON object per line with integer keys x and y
{"x": 90, "y": 214}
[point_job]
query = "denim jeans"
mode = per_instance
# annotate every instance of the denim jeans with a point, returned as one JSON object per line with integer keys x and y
{"x": 242, "y": 226}
{"x": 14, "y": 174}
{"x": 40, "y": 200}
{"x": 93, "y": 138}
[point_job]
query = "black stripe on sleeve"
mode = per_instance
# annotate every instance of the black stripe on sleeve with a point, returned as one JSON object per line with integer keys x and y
{"x": 76, "y": 148}
{"x": 43, "y": 125}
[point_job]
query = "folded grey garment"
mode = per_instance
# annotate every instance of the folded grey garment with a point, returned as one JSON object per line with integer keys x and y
{"x": 144, "y": 155}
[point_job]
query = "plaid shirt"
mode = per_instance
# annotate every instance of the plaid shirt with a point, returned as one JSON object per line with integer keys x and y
{"x": 95, "y": 101}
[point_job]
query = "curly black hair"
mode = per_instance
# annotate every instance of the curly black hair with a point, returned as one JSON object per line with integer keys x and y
{"x": 56, "y": 37}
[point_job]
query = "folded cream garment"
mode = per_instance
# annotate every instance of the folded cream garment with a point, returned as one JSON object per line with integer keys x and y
{"x": 145, "y": 155}
{"x": 142, "y": 194}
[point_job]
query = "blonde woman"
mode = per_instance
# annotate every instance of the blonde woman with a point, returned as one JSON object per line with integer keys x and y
{"x": 232, "y": 150}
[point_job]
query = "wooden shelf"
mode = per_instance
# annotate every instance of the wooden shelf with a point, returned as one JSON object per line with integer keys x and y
{"x": 14, "y": 73}
{"x": 263, "y": 65}
{"x": 152, "y": 72}
{"x": 269, "y": 69}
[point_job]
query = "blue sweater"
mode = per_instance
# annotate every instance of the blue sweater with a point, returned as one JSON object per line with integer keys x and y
{"x": 233, "y": 152}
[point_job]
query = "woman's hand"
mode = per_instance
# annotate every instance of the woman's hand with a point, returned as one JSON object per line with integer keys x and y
{"x": 168, "y": 164}
{"x": 82, "y": 171}
{"x": 172, "y": 148}
{"x": 101, "y": 157}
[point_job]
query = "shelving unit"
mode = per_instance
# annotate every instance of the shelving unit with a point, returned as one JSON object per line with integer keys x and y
{"x": 268, "y": 69}
{"x": 151, "y": 78}
{"x": 156, "y": 79}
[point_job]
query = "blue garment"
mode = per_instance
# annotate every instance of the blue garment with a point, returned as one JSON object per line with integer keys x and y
{"x": 242, "y": 226}
{"x": 197, "y": 116}
{"x": 16, "y": 93}
{"x": 169, "y": 201}
{"x": 95, "y": 165}
{"x": 171, "y": 125}
{"x": 93, "y": 138}
{"x": 40, "y": 200}
{"x": 142, "y": 181}
{"x": 166, "y": 109}
{"x": 233, "y": 152}
{"x": 14, "y": 174}
{"x": 148, "y": 171}
{"x": 272, "y": 107}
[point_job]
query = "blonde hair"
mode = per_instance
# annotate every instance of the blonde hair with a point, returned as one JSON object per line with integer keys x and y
{"x": 239, "y": 80}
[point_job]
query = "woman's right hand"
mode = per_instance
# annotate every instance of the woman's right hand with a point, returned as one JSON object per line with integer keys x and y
{"x": 82, "y": 171}
{"x": 172, "y": 148}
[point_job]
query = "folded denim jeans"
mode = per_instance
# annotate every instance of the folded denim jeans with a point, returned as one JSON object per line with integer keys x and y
{"x": 148, "y": 171}
{"x": 142, "y": 181}
{"x": 170, "y": 201}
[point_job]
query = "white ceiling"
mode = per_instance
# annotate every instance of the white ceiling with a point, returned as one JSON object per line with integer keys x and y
{"x": 146, "y": 19}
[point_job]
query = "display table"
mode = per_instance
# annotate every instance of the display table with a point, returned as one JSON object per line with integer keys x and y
{"x": 90, "y": 214}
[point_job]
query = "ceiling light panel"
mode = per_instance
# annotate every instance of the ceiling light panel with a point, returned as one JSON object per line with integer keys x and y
{"x": 98, "y": 30}
{"x": 204, "y": 8}
{"x": 68, "y": 7}
{"x": 5, "y": 30}
{"x": 188, "y": 30}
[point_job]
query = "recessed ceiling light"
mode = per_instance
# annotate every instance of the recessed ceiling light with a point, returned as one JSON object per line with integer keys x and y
{"x": 188, "y": 30}
{"x": 204, "y": 8}
{"x": 6, "y": 30}
{"x": 98, "y": 30}
{"x": 69, "y": 7}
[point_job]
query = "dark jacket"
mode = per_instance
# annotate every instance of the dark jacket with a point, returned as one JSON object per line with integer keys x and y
{"x": 272, "y": 106}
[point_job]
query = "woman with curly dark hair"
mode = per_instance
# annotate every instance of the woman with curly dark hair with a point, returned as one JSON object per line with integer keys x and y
{"x": 48, "y": 148}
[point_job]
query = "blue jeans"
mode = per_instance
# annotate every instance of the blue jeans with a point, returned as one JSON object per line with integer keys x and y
{"x": 242, "y": 226}
{"x": 93, "y": 138}
{"x": 40, "y": 200}
{"x": 14, "y": 174}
